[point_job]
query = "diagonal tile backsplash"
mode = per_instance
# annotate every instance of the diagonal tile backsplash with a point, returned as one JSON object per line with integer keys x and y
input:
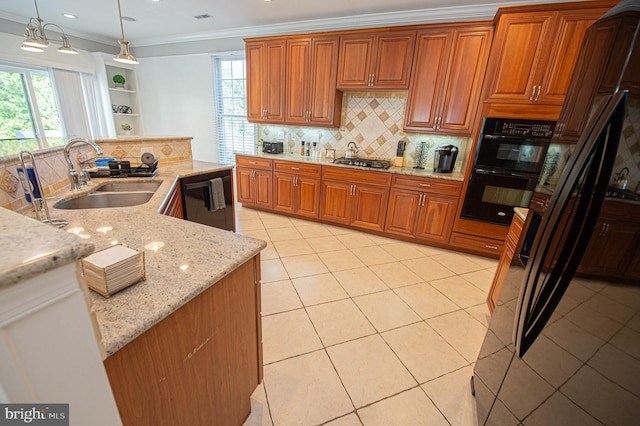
{"x": 373, "y": 120}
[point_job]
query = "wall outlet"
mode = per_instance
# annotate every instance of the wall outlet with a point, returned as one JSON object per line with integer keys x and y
{"x": 281, "y": 135}
{"x": 316, "y": 138}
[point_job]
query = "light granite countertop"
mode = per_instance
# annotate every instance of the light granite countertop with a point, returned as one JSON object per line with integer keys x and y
{"x": 409, "y": 171}
{"x": 182, "y": 258}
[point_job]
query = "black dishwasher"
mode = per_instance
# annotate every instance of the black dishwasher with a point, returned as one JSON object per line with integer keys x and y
{"x": 208, "y": 199}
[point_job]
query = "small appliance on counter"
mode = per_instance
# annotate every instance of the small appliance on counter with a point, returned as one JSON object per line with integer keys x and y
{"x": 444, "y": 158}
{"x": 272, "y": 147}
{"x": 402, "y": 145}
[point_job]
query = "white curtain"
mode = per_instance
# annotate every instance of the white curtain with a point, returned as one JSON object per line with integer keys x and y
{"x": 71, "y": 103}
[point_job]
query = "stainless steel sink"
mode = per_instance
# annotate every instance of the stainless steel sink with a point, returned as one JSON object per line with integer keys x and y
{"x": 101, "y": 200}
{"x": 128, "y": 186}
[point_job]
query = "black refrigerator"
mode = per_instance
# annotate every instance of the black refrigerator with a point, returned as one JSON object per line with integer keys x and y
{"x": 563, "y": 344}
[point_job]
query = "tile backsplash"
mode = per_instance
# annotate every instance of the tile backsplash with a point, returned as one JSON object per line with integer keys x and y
{"x": 373, "y": 120}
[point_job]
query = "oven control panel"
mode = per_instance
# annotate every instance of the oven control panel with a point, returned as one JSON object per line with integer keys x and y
{"x": 518, "y": 128}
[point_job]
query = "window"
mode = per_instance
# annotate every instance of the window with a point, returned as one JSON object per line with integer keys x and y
{"x": 29, "y": 117}
{"x": 235, "y": 133}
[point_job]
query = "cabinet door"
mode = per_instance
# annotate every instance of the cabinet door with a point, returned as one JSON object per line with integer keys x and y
{"x": 501, "y": 273}
{"x": 255, "y": 74}
{"x": 464, "y": 77}
{"x": 262, "y": 182}
{"x": 283, "y": 192}
{"x": 557, "y": 71}
{"x": 325, "y": 101}
{"x": 308, "y": 196}
{"x": 244, "y": 181}
{"x": 334, "y": 201}
{"x": 519, "y": 49}
{"x": 436, "y": 216}
{"x": 266, "y": 81}
{"x": 610, "y": 248}
{"x": 355, "y": 61}
{"x": 298, "y": 73}
{"x": 369, "y": 207}
{"x": 402, "y": 211}
{"x": 429, "y": 67}
{"x": 174, "y": 203}
{"x": 394, "y": 55}
{"x": 596, "y": 50}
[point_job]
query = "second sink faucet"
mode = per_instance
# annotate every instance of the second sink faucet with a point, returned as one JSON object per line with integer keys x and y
{"x": 74, "y": 176}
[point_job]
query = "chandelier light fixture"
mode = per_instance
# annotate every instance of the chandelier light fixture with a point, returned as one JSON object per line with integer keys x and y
{"x": 124, "y": 56}
{"x": 36, "y": 39}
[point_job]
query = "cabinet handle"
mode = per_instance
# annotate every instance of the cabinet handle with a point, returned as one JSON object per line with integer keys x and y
{"x": 490, "y": 247}
{"x": 295, "y": 181}
{"x": 352, "y": 190}
{"x": 295, "y": 168}
{"x": 370, "y": 82}
{"x": 253, "y": 174}
{"x": 428, "y": 185}
{"x": 252, "y": 162}
{"x": 533, "y": 93}
{"x": 538, "y": 93}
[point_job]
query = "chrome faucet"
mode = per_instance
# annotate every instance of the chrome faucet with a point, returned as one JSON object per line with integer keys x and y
{"x": 74, "y": 176}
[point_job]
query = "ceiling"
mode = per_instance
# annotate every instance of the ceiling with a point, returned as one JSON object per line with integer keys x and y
{"x": 168, "y": 21}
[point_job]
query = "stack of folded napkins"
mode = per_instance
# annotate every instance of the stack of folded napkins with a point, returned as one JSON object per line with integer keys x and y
{"x": 113, "y": 269}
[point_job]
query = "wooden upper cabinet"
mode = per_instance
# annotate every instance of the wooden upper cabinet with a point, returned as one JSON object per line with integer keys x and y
{"x": 518, "y": 49}
{"x": 311, "y": 95}
{"x": 571, "y": 27}
{"x": 448, "y": 70}
{"x": 535, "y": 53}
{"x": 266, "y": 80}
{"x": 379, "y": 60}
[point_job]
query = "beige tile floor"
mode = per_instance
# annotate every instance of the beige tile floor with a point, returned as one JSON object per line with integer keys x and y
{"x": 364, "y": 330}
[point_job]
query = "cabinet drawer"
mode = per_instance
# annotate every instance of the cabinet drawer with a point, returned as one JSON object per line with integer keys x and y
{"x": 254, "y": 162}
{"x": 485, "y": 245}
{"x": 440, "y": 186}
{"x": 297, "y": 168}
{"x": 356, "y": 176}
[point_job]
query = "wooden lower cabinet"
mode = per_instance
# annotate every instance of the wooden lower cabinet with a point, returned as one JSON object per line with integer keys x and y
{"x": 254, "y": 187}
{"x": 613, "y": 249}
{"x": 296, "y": 194}
{"x": 421, "y": 215}
{"x": 363, "y": 206}
{"x": 199, "y": 365}
{"x": 510, "y": 244}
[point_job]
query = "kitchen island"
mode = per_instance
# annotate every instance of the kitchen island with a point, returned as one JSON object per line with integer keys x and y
{"x": 185, "y": 344}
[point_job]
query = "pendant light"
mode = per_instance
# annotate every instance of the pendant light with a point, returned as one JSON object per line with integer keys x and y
{"x": 36, "y": 39}
{"x": 124, "y": 56}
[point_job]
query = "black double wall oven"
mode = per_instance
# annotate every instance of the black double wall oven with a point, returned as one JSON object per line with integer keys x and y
{"x": 509, "y": 158}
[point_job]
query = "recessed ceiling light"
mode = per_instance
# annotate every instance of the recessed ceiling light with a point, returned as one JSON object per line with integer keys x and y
{"x": 70, "y": 16}
{"x": 203, "y": 16}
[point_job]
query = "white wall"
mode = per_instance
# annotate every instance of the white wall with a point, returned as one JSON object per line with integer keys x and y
{"x": 176, "y": 93}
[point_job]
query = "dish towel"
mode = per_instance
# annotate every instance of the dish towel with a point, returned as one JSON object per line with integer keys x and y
{"x": 216, "y": 195}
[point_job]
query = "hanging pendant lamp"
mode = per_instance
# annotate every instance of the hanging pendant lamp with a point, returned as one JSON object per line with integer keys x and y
{"x": 124, "y": 56}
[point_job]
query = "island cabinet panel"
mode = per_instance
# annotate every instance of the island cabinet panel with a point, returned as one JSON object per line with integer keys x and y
{"x": 311, "y": 95}
{"x": 254, "y": 181}
{"x": 535, "y": 52}
{"x": 378, "y": 60}
{"x": 266, "y": 80}
{"x": 448, "y": 70}
{"x": 510, "y": 244}
{"x": 199, "y": 365}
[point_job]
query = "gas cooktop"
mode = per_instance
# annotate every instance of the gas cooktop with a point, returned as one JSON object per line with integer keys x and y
{"x": 363, "y": 162}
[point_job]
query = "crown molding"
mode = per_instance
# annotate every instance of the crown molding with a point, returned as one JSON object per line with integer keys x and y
{"x": 389, "y": 19}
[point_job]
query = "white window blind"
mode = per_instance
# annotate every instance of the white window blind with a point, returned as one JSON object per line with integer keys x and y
{"x": 235, "y": 133}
